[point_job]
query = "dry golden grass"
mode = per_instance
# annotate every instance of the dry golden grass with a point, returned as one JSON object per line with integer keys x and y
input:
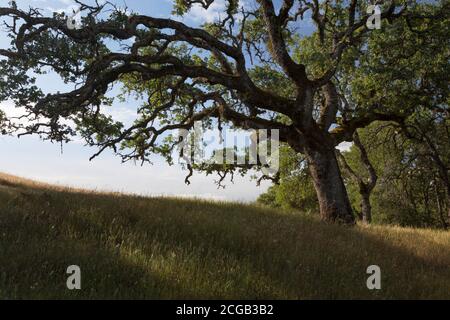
{"x": 162, "y": 248}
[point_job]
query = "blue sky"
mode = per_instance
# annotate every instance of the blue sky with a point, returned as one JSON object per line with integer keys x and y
{"x": 36, "y": 159}
{"x": 33, "y": 158}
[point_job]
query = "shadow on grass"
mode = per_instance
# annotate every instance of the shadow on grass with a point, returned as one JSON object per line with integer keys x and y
{"x": 133, "y": 247}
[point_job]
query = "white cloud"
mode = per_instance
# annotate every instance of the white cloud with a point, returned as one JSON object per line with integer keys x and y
{"x": 215, "y": 12}
{"x": 12, "y": 112}
{"x": 345, "y": 146}
{"x": 121, "y": 113}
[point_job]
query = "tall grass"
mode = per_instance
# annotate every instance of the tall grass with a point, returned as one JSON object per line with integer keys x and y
{"x": 162, "y": 248}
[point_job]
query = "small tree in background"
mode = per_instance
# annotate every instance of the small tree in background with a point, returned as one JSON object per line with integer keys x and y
{"x": 294, "y": 188}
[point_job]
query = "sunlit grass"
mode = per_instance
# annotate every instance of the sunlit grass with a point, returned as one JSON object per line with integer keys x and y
{"x": 166, "y": 248}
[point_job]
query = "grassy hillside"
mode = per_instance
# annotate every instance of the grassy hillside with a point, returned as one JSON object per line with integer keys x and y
{"x": 135, "y": 247}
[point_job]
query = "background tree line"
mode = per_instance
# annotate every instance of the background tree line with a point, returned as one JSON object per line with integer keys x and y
{"x": 411, "y": 187}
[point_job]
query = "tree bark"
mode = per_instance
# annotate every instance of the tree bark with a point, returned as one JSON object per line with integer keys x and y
{"x": 447, "y": 186}
{"x": 439, "y": 206}
{"x": 331, "y": 192}
{"x": 366, "y": 208}
{"x": 448, "y": 208}
{"x": 443, "y": 173}
{"x": 365, "y": 187}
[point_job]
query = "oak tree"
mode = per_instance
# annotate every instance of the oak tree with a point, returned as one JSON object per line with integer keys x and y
{"x": 226, "y": 72}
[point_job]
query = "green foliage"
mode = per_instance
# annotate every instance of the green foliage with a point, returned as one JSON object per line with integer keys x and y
{"x": 18, "y": 86}
{"x": 181, "y": 7}
{"x": 98, "y": 127}
{"x": 273, "y": 80}
{"x": 408, "y": 185}
{"x": 314, "y": 54}
{"x": 402, "y": 66}
{"x": 295, "y": 189}
{"x": 2, "y": 122}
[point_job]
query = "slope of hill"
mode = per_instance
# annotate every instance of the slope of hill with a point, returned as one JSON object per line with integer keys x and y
{"x": 162, "y": 248}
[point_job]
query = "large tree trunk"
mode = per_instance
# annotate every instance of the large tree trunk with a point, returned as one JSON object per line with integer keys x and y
{"x": 318, "y": 146}
{"x": 331, "y": 193}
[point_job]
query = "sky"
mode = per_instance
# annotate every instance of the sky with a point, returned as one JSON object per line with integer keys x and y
{"x": 32, "y": 158}
{"x": 36, "y": 159}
